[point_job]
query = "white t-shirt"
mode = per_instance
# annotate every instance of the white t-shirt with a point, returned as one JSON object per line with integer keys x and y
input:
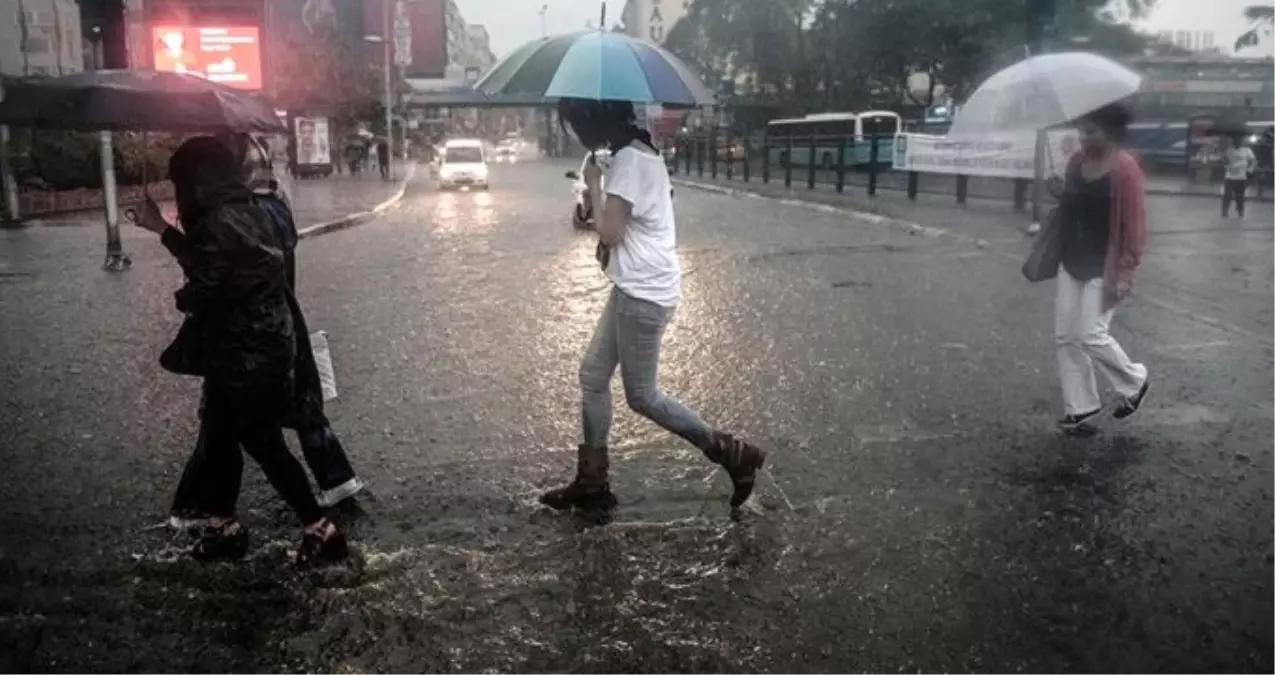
{"x": 1239, "y": 162}
{"x": 644, "y": 264}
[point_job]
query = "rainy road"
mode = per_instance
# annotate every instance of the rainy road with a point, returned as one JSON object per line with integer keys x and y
{"x": 920, "y": 511}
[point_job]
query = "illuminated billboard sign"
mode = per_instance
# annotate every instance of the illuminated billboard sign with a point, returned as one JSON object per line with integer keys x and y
{"x": 230, "y": 55}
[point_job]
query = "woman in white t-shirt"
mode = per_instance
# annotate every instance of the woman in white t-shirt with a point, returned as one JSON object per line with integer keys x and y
{"x": 638, "y": 252}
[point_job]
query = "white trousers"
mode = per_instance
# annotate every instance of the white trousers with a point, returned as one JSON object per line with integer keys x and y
{"x": 1081, "y": 333}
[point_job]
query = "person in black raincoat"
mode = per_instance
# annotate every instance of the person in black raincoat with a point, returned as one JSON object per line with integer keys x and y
{"x": 383, "y": 158}
{"x": 240, "y": 337}
{"x": 320, "y": 446}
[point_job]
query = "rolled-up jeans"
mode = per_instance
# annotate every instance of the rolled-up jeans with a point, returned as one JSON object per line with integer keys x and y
{"x": 323, "y": 453}
{"x": 628, "y": 334}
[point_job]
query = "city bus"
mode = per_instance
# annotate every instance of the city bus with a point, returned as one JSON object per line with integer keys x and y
{"x": 827, "y": 130}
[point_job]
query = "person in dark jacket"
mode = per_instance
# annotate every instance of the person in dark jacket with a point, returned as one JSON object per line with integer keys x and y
{"x": 320, "y": 446}
{"x": 383, "y": 157}
{"x": 243, "y": 344}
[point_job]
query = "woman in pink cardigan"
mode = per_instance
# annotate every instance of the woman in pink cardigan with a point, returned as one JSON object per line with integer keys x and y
{"x": 1104, "y": 230}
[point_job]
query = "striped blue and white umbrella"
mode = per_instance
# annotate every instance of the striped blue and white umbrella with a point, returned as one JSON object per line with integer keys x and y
{"x": 596, "y": 65}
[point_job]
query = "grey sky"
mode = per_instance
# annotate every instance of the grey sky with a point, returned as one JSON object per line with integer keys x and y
{"x": 1224, "y": 17}
{"x": 513, "y": 22}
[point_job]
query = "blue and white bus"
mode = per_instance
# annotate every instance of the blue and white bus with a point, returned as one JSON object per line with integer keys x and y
{"x": 827, "y": 130}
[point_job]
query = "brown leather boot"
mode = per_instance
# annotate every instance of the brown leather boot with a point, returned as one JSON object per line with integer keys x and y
{"x": 590, "y": 491}
{"x": 741, "y": 461}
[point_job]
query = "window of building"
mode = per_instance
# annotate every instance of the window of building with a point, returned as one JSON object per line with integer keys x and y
{"x": 36, "y": 45}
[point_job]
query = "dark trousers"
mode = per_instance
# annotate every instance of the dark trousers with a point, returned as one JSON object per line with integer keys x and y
{"x": 323, "y": 453}
{"x": 1233, "y": 190}
{"x": 385, "y": 170}
{"x": 247, "y": 418}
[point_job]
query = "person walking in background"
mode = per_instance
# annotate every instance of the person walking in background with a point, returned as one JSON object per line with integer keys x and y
{"x": 1104, "y": 230}
{"x": 1239, "y": 163}
{"x": 240, "y": 338}
{"x": 383, "y": 157}
{"x": 320, "y": 447}
{"x": 638, "y": 252}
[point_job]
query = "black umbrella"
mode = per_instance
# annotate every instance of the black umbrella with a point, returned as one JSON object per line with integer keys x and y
{"x": 1228, "y": 124}
{"x": 131, "y": 100}
{"x": 134, "y": 100}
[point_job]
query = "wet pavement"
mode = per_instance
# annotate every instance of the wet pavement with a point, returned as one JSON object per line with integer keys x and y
{"x": 919, "y": 512}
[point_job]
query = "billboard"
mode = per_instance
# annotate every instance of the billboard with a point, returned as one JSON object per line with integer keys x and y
{"x": 230, "y": 55}
{"x": 312, "y": 141}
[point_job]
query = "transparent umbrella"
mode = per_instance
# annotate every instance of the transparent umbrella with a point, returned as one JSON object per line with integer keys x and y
{"x": 1044, "y": 91}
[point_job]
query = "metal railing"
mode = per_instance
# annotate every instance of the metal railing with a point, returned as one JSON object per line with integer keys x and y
{"x": 840, "y": 162}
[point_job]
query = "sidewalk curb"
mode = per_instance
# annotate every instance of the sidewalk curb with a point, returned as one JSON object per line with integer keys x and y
{"x": 352, "y": 219}
{"x": 914, "y": 229}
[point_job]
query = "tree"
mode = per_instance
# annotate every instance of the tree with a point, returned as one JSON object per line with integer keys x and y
{"x": 1261, "y": 18}
{"x": 856, "y": 54}
{"x": 756, "y": 45}
{"x": 330, "y": 75}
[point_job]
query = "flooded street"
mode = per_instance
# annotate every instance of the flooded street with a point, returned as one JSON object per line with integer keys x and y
{"x": 919, "y": 510}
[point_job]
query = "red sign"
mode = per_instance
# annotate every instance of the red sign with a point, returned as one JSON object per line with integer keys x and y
{"x": 229, "y": 55}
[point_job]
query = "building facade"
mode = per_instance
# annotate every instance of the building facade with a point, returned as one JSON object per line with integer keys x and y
{"x": 1192, "y": 40}
{"x": 653, "y": 19}
{"x": 468, "y": 46}
{"x": 1177, "y": 88}
{"x": 40, "y": 37}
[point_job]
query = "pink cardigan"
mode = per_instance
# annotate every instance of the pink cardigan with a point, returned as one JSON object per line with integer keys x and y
{"x": 1128, "y": 231}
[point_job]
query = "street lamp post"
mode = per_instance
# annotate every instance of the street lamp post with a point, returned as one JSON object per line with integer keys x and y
{"x": 1040, "y": 20}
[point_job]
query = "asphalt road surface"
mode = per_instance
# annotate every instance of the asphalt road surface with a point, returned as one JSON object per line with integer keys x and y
{"x": 920, "y": 511}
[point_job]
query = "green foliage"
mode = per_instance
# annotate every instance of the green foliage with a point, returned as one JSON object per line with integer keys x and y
{"x": 68, "y": 160}
{"x": 331, "y": 76}
{"x": 1262, "y": 17}
{"x": 804, "y": 55}
{"x": 1260, "y": 13}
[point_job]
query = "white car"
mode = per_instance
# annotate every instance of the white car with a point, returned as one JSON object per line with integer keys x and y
{"x": 463, "y": 164}
{"x": 582, "y": 212}
{"x": 506, "y": 153}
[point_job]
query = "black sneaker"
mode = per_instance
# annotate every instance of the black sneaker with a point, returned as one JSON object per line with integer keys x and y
{"x": 1130, "y": 406}
{"x": 1074, "y": 423}
{"x": 228, "y": 541}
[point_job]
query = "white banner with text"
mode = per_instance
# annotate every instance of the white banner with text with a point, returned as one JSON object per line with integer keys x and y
{"x": 1009, "y": 155}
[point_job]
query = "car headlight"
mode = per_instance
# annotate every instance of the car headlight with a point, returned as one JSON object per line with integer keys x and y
{"x": 481, "y": 172}
{"x": 446, "y": 172}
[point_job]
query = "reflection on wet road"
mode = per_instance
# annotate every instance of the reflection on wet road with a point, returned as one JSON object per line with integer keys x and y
{"x": 919, "y": 511}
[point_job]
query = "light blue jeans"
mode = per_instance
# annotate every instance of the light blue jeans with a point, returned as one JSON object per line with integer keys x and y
{"x": 628, "y": 335}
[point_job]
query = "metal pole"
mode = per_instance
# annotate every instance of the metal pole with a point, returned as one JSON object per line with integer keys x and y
{"x": 1041, "y": 15}
{"x": 116, "y": 260}
{"x": 10, "y": 185}
{"x": 1038, "y": 178}
{"x": 389, "y": 92}
{"x": 873, "y": 155}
